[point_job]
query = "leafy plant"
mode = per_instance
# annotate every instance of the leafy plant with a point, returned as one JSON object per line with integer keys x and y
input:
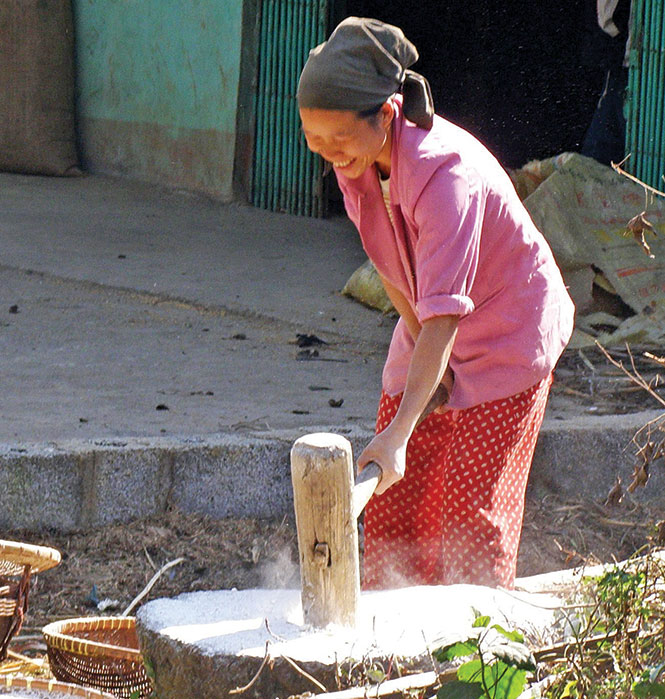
{"x": 648, "y": 685}
{"x": 498, "y": 666}
{"x": 356, "y": 673}
{"x": 617, "y": 648}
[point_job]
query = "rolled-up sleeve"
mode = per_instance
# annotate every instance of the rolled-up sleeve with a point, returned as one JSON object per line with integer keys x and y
{"x": 448, "y": 218}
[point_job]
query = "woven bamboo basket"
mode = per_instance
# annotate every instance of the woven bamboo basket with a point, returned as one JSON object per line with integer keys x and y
{"x": 18, "y": 562}
{"x": 50, "y": 686}
{"x": 100, "y": 652}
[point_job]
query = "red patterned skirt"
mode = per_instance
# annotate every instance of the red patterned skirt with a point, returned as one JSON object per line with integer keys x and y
{"x": 456, "y": 516}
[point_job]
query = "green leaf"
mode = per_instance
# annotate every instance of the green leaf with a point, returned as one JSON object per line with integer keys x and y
{"x": 471, "y": 671}
{"x": 570, "y": 690}
{"x": 510, "y": 682}
{"x": 646, "y": 690}
{"x": 515, "y": 655}
{"x": 497, "y": 646}
{"x": 376, "y": 675}
{"x": 502, "y": 681}
{"x": 460, "y": 690}
{"x": 459, "y": 649}
{"x": 481, "y": 621}
{"x": 149, "y": 669}
{"x": 512, "y": 635}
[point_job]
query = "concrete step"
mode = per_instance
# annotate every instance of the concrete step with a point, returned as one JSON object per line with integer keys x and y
{"x": 82, "y": 483}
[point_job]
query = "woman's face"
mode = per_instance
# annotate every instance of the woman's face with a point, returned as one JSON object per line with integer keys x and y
{"x": 351, "y": 143}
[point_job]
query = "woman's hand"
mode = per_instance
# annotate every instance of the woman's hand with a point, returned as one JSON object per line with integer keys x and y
{"x": 388, "y": 450}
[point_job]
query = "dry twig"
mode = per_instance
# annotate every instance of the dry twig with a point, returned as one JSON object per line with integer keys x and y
{"x": 617, "y": 168}
{"x": 10, "y": 666}
{"x": 639, "y": 225}
{"x": 266, "y": 660}
{"x": 648, "y": 451}
{"x": 306, "y": 675}
{"x": 24, "y": 659}
{"x": 635, "y": 377}
{"x": 271, "y": 632}
{"x": 653, "y": 357}
{"x": 149, "y": 586}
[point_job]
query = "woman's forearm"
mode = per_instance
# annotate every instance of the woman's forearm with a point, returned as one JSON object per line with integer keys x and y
{"x": 426, "y": 370}
{"x": 403, "y": 307}
{"x": 428, "y": 365}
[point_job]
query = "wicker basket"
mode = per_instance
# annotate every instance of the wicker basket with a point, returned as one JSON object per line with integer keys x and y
{"x": 57, "y": 689}
{"x": 100, "y": 652}
{"x": 17, "y": 563}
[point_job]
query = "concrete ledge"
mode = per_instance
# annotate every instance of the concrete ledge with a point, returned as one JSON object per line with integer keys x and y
{"x": 87, "y": 484}
{"x": 79, "y": 484}
{"x": 582, "y": 457}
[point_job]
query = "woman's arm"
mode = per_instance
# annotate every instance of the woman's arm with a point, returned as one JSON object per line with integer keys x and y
{"x": 428, "y": 365}
{"x": 403, "y": 307}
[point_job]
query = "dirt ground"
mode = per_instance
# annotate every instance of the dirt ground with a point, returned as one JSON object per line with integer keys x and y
{"x": 103, "y": 570}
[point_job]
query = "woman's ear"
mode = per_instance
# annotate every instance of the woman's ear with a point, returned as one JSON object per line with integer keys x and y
{"x": 387, "y": 113}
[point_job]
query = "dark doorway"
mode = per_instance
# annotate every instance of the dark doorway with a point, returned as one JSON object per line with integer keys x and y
{"x": 524, "y": 77}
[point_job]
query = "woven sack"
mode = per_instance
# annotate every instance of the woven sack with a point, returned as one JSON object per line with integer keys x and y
{"x": 37, "y": 131}
{"x": 365, "y": 285}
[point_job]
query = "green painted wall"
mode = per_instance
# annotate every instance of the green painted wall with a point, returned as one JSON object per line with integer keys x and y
{"x": 157, "y": 89}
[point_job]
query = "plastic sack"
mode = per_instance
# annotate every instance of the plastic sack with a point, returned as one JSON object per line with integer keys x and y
{"x": 528, "y": 178}
{"x": 583, "y": 209}
{"x": 365, "y": 285}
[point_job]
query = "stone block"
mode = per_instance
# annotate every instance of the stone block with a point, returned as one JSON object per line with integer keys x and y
{"x": 39, "y": 490}
{"x": 234, "y": 477}
{"x": 126, "y": 482}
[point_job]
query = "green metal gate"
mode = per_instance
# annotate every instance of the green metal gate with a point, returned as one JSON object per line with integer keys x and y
{"x": 286, "y": 176}
{"x": 645, "y": 140}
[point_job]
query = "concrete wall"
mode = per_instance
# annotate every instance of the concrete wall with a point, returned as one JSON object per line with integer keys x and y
{"x": 157, "y": 90}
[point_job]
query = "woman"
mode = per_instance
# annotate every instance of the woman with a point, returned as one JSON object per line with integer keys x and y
{"x": 484, "y": 314}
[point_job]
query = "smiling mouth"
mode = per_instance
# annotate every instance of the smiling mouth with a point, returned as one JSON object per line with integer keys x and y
{"x": 343, "y": 163}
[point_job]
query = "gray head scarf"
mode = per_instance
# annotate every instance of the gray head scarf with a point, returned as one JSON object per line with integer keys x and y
{"x": 362, "y": 64}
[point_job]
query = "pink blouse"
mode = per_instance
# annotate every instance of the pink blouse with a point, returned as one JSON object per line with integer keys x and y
{"x": 463, "y": 244}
